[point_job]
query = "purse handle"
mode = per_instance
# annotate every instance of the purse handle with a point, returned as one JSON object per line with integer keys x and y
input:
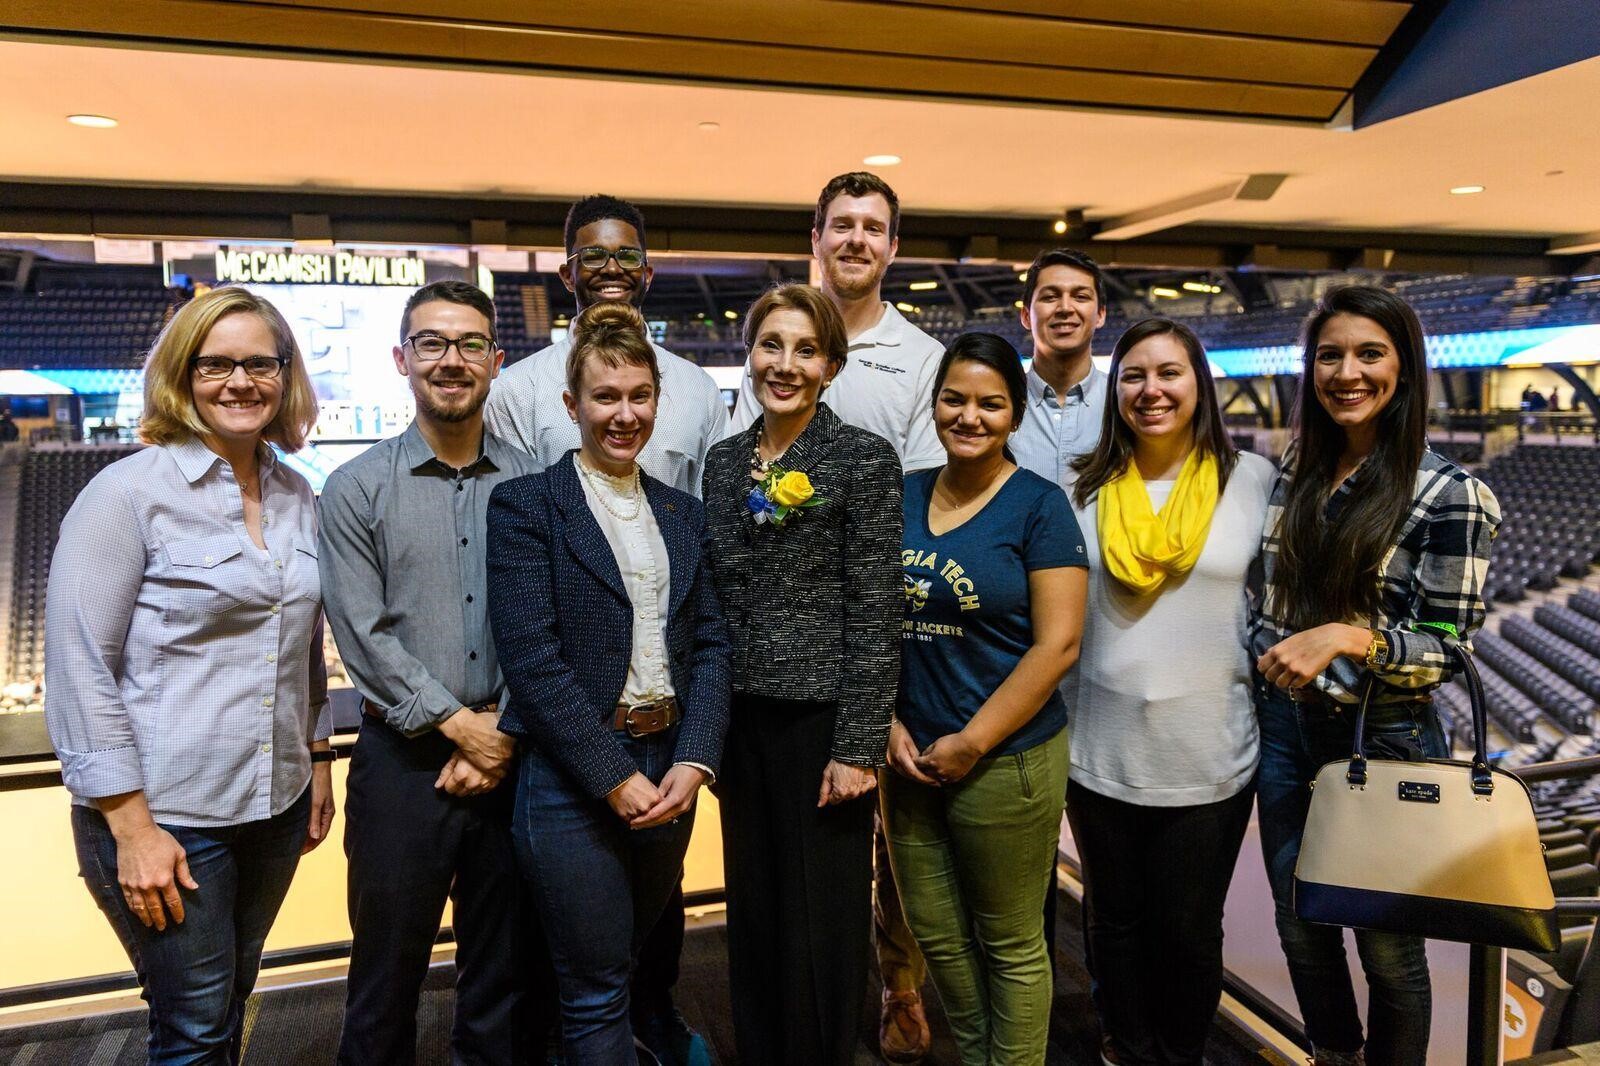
{"x": 1482, "y": 778}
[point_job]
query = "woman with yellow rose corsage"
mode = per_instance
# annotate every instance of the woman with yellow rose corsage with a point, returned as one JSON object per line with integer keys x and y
{"x": 803, "y": 518}
{"x": 1164, "y": 740}
{"x": 994, "y": 590}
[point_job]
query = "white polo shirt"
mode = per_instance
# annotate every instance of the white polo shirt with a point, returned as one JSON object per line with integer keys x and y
{"x": 525, "y": 410}
{"x": 886, "y": 387}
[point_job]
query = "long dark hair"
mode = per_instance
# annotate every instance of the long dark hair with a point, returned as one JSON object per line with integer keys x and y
{"x": 996, "y": 353}
{"x": 1328, "y": 571}
{"x": 1115, "y": 450}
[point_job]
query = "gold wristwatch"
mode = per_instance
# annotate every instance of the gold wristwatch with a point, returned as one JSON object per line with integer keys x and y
{"x": 1377, "y": 651}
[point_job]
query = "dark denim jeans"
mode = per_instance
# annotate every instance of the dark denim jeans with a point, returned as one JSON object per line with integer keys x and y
{"x": 196, "y": 976}
{"x": 599, "y": 888}
{"x": 1295, "y": 742}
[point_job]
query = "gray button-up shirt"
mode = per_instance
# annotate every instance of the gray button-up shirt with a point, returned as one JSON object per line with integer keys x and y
{"x": 181, "y": 659}
{"x": 1056, "y": 429}
{"x": 403, "y": 576}
{"x": 525, "y": 410}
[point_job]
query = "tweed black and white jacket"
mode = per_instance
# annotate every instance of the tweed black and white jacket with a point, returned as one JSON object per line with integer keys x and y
{"x": 814, "y": 608}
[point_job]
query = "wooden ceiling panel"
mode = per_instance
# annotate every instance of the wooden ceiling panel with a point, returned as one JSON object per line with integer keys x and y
{"x": 869, "y": 28}
{"x": 1265, "y": 59}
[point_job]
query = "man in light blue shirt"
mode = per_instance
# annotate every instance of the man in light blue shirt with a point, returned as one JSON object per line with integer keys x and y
{"x": 1063, "y": 304}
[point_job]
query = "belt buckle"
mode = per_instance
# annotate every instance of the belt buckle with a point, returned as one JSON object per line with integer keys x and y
{"x": 645, "y": 708}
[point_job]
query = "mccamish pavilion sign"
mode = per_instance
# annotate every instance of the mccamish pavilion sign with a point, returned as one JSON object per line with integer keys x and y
{"x": 306, "y": 268}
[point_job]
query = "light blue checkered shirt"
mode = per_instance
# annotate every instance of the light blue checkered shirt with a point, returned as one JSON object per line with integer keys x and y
{"x": 181, "y": 659}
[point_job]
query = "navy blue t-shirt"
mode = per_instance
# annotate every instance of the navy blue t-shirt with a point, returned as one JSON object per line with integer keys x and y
{"x": 968, "y": 620}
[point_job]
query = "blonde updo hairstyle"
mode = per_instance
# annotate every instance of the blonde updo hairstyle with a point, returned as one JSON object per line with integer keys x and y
{"x": 170, "y": 416}
{"x": 612, "y": 334}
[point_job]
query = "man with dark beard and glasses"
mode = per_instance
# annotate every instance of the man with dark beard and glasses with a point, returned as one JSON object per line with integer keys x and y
{"x": 607, "y": 260}
{"x": 428, "y": 802}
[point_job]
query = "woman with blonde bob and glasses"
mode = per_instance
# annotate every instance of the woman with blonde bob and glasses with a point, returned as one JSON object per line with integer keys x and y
{"x": 186, "y": 690}
{"x": 1164, "y": 740}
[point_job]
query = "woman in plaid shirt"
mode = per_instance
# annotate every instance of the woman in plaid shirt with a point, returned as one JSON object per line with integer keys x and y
{"x": 1375, "y": 555}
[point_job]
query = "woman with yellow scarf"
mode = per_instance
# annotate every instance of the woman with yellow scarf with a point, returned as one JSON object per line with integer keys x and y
{"x": 1163, "y": 732}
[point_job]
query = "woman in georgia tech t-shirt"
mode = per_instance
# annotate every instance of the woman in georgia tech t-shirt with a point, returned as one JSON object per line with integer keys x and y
{"x": 995, "y": 585}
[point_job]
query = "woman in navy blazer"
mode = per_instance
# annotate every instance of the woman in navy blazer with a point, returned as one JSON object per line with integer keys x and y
{"x": 616, "y": 659}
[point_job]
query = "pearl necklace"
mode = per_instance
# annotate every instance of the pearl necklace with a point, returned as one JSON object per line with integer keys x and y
{"x": 760, "y": 466}
{"x": 606, "y": 484}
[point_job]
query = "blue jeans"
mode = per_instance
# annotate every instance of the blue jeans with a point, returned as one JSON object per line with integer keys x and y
{"x": 196, "y": 976}
{"x": 599, "y": 888}
{"x": 1295, "y": 742}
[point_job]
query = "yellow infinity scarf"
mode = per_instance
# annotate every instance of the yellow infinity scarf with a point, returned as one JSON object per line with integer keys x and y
{"x": 1143, "y": 549}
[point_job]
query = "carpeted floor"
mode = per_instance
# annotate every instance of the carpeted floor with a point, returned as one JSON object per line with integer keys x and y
{"x": 300, "y": 1026}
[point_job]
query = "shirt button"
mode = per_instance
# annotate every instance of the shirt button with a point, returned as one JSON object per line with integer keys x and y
{"x": 463, "y": 542}
{"x": 459, "y": 486}
{"x": 274, "y": 608}
{"x": 278, "y": 563}
{"x": 272, "y": 656}
{"x": 469, "y": 597}
{"x": 208, "y": 559}
{"x": 266, "y": 749}
{"x": 472, "y": 655}
{"x": 266, "y": 701}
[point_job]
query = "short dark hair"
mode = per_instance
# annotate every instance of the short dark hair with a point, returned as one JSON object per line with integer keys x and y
{"x": 598, "y": 208}
{"x": 857, "y": 183}
{"x": 449, "y": 291}
{"x": 1063, "y": 257}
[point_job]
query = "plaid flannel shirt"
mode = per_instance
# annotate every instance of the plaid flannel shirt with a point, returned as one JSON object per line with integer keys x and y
{"x": 1432, "y": 582}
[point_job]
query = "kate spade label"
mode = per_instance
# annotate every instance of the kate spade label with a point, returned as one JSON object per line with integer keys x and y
{"x": 1418, "y": 792}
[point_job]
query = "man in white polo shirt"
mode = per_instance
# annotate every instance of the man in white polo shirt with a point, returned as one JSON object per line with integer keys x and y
{"x": 606, "y": 260}
{"x": 886, "y": 386}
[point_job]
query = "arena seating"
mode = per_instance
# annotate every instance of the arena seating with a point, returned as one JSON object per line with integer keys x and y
{"x": 50, "y": 481}
{"x": 1551, "y": 524}
{"x": 99, "y": 329}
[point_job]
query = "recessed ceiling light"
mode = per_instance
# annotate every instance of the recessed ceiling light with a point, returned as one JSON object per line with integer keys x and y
{"x": 1465, "y": 190}
{"x": 730, "y": 315}
{"x": 922, "y": 286}
{"x": 907, "y": 308}
{"x": 882, "y": 160}
{"x": 1022, "y": 276}
{"x": 96, "y": 122}
{"x": 1017, "y": 304}
{"x": 1060, "y": 225}
{"x": 710, "y": 127}
{"x": 1164, "y": 292}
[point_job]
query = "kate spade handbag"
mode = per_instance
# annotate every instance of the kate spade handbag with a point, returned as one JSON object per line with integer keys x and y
{"x": 1442, "y": 849}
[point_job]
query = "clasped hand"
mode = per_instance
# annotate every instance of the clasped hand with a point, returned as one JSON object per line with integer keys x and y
{"x": 482, "y": 756}
{"x": 946, "y": 761}
{"x": 642, "y": 804}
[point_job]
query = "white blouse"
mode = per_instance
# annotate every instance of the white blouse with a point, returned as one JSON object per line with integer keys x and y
{"x": 625, "y": 518}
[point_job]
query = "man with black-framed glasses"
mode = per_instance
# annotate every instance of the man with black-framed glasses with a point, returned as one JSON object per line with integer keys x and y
{"x": 607, "y": 260}
{"x": 428, "y": 801}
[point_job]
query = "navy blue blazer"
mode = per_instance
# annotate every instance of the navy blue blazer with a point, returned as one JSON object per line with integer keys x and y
{"x": 563, "y": 625}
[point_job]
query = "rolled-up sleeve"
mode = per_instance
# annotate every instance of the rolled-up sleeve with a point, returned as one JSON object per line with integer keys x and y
{"x": 413, "y": 701}
{"x": 95, "y": 578}
{"x": 1450, "y": 575}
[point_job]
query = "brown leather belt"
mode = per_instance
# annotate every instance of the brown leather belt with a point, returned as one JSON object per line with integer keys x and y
{"x": 643, "y": 719}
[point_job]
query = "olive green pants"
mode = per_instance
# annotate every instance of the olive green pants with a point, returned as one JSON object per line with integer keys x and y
{"x": 973, "y": 862}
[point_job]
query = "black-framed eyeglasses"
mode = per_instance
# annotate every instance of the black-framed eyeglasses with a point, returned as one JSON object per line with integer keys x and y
{"x": 595, "y": 257}
{"x": 474, "y": 347}
{"x": 218, "y": 367}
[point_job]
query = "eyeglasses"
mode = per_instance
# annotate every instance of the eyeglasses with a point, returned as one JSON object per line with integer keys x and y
{"x": 595, "y": 257}
{"x": 474, "y": 347}
{"x": 218, "y": 367}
